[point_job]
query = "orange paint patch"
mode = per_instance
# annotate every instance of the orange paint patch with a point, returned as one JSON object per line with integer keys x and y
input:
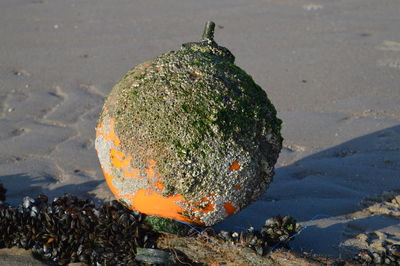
{"x": 238, "y": 187}
{"x": 113, "y": 189}
{"x": 150, "y": 200}
{"x": 235, "y": 166}
{"x": 151, "y": 203}
{"x": 153, "y": 176}
{"x": 145, "y": 65}
{"x": 159, "y": 185}
{"x": 150, "y": 172}
{"x": 209, "y": 207}
{"x": 204, "y": 206}
{"x": 118, "y": 159}
{"x": 229, "y": 208}
{"x": 194, "y": 75}
{"x": 110, "y": 136}
{"x": 133, "y": 173}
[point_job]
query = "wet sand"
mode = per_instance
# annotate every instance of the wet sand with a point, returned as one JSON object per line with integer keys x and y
{"x": 331, "y": 68}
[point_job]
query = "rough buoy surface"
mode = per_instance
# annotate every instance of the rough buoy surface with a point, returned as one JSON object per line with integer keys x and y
{"x": 188, "y": 135}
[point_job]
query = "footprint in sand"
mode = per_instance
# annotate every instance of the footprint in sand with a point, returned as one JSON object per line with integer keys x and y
{"x": 289, "y": 153}
{"x": 387, "y": 204}
{"x": 311, "y": 7}
{"x": 2, "y": 86}
{"x": 389, "y": 46}
{"x": 293, "y": 148}
{"x": 389, "y": 62}
{"x": 71, "y": 109}
{"x": 3, "y": 95}
{"x": 374, "y": 228}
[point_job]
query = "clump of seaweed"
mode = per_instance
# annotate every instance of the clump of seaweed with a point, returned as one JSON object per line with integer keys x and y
{"x": 160, "y": 224}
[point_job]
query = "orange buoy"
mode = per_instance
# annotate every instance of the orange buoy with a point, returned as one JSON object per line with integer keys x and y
{"x": 188, "y": 135}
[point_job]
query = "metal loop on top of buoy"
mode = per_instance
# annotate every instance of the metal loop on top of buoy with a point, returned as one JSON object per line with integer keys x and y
{"x": 208, "y": 33}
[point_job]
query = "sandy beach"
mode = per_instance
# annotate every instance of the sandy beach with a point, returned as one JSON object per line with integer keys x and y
{"x": 331, "y": 68}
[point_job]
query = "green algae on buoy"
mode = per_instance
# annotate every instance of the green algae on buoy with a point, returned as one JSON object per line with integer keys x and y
{"x": 189, "y": 135}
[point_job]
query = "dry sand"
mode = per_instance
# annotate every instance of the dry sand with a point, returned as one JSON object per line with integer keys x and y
{"x": 332, "y": 69}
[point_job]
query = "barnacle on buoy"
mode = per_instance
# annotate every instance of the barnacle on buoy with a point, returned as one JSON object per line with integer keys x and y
{"x": 188, "y": 135}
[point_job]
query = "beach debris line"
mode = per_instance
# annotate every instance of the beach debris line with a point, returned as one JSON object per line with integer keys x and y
{"x": 189, "y": 135}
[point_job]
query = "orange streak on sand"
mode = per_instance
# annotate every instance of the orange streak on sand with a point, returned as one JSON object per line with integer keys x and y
{"x": 238, "y": 187}
{"x": 229, "y": 208}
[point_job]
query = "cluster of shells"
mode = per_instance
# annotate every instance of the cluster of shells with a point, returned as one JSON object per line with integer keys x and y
{"x": 277, "y": 231}
{"x": 391, "y": 256}
{"x": 74, "y": 230}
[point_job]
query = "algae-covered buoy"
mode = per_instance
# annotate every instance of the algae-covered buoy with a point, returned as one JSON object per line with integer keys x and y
{"x": 188, "y": 135}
